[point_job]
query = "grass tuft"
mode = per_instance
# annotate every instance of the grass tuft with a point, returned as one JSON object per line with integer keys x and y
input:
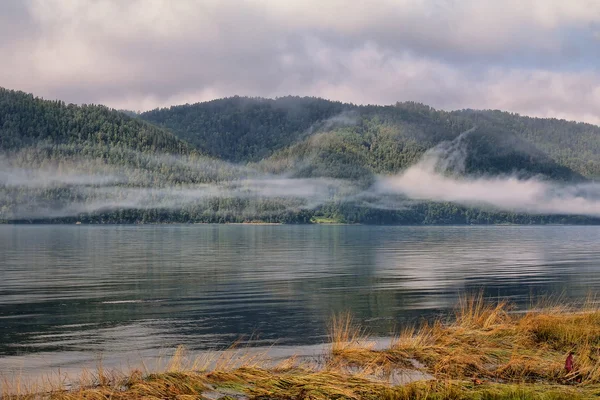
{"x": 476, "y": 312}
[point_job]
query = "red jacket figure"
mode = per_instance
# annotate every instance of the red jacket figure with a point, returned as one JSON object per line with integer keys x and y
{"x": 569, "y": 362}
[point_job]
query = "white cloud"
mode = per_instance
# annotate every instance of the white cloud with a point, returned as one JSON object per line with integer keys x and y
{"x": 429, "y": 180}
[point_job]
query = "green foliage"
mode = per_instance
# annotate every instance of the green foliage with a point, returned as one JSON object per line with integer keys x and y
{"x": 573, "y": 145}
{"x": 244, "y": 129}
{"x": 348, "y": 141}
{"x": 29, "y": 121}
{"x": 299, "y": 137}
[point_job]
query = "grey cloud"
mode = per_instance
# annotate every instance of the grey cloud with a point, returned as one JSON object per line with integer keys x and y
{"x": 16, "y": 22}
{"x": 534, "y": 57}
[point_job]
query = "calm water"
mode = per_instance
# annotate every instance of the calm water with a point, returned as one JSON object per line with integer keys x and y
{"x": 70, "y": 293}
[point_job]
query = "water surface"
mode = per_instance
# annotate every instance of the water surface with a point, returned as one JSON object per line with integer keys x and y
{"x": 69, "y": 294}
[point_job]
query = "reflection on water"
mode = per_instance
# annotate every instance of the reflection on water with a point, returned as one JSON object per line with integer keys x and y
{"x": 70, "y": 292}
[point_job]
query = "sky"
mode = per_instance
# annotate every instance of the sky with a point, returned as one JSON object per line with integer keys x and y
{"x": 534, "y": 57}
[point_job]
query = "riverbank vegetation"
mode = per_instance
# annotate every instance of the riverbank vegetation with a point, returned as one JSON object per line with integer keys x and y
{"x": 486, "y": 350}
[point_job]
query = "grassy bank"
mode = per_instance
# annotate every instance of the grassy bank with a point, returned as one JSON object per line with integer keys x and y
{"x": 483, "y": 351}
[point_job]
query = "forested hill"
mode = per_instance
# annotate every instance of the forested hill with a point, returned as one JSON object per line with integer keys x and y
{"x": 27, "y": 121}
{"x": 574, "y": 145}
{"x": 243, "y": 129}
{"x": 291, "y": 159}
{"x": 66, "y": 163}
{"x": 381, "y": 138}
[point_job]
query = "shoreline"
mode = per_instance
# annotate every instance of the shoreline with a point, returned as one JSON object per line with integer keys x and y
{"x": 78, "y": 223}
{"x": 484, "y": 352}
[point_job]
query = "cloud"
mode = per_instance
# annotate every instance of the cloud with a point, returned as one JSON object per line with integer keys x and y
{"x": 536, "y": 57}
{"x": 435, "y": 178}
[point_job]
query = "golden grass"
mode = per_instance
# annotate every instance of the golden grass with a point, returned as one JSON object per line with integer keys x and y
{"x": 486, "y": 342}
{"x": 484, "y": 352}
{"x": 345, "y": 334}
{"x": 318, "y": 385}
{"x": 476, "y": 312}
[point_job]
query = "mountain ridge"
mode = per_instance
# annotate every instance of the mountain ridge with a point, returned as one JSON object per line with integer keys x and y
{"x": 302, "y": 138}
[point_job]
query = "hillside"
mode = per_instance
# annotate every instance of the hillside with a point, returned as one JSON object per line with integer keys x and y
{"x": 385, "y": 139}
{"x": 67, "y": 163}
{"x": 570, "y": 144}
{"x": 290, "y": 159}
{"x": 241, "y": 129}
{"x": 29, "y": 121}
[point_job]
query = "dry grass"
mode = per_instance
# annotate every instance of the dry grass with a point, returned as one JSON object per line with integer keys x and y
{"x": 485, "y": 352}
{"x": 486, "y": 342}
{"x": 345, "y": 334}
{"x": 475, "y": 312}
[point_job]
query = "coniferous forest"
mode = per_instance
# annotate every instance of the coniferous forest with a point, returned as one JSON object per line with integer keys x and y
{"x": 284, "y": 160}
